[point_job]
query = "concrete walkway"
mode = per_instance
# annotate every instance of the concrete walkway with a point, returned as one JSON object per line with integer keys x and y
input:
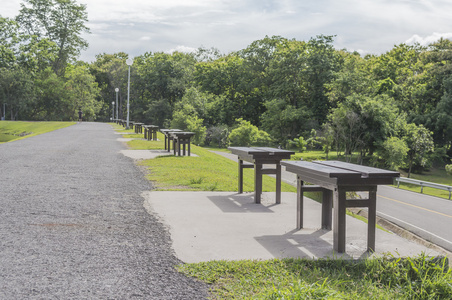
{"x": 208, "y": 226}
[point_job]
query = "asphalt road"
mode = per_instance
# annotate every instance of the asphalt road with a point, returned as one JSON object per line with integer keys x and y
{"x": 73, "y": 225}
{"x": 426, "y": 216}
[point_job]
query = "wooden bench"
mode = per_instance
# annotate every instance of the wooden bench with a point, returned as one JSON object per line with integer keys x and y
{"x": 138, "y": 127}
{"x": 259, "y": 156}
{"x": 151, "y": 132}
{"x": 168, "y": 137}
{"x": 181, "y": 138}
{"x": 334, "y": 179}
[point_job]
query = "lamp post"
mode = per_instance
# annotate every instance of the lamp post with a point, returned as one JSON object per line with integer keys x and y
{"x": 113, "y": 111}
{"x": 129, "y": 62}
{"x": 117, "y": 90}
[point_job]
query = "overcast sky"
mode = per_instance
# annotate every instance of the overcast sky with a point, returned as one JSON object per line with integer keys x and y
{"x": 367, "y": 26}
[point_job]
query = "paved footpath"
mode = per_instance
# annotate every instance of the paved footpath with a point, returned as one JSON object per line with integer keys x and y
{"x": 73, "y": 225}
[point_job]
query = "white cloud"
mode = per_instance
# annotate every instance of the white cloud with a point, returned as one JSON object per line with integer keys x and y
{"x": 139, "y": 26}
{"x": 183, "y": 49}
{"x": 427, "y": 40}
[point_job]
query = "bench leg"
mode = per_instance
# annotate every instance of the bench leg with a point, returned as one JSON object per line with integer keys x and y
{"x": 257, "y": 183}
{"x": 327, "y": 209}
{"x": 278, "y": 183}
{"x": 178, "y": 146}
{"x": 299, "y": 203}
{"x": 339, "y": 198}
{"x": 174, "y": 147}
{"x": 371, "y": 220}
{"x": 240, "y": 176}
{"x": 188, "y": 147}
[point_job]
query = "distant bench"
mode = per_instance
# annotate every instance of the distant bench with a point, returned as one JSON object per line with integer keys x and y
{"x": 150, "y": 132}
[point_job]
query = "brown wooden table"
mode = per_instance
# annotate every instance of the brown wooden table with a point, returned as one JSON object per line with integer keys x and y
{"x": 181, "y": 138}
{"x": 150, "y": 132}
{"x": 260, "y": 156}
{"x": 138, "y": 127}
{"x": 168, "y": 137}
{"x": 334, "y": 179}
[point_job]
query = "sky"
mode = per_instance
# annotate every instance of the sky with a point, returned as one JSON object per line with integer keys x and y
{"x": 366, "y": 26}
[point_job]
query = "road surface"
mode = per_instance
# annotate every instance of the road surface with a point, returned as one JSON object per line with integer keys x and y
{"x": 73, "y": 225}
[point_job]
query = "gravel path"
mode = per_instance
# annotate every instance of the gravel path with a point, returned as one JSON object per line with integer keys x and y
{"x": 73, "y": 226}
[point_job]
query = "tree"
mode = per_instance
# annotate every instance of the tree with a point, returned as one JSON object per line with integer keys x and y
{"x": 246, "y": 134}
{"x": 110, "y": 72}
{"x": 9, "y": 39}
{"x": 59, "y": 21}
{"x": 441, "y": 118}
{"x": 82, "y": 92}
{"x": 394, "y": 152}
{"x": 285, "y": 122}
{"x": 420, "y": 142}
{"x": 16, "y": 91}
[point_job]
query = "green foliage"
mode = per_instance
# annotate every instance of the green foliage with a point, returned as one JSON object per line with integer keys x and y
{"x": 246, "y": 134}
{"x": 420, "y": 143}
{"x": 298, "y": 143}
{"x": 385, "y": 277}
{"x": 449, "y": 169}
{"x": 61, "y": 22}
{"x": 217, "y": 136}
{"x": 394, "y": 153}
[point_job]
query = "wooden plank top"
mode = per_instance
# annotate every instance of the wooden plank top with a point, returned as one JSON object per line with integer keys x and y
{"x": 344, "y": 172}
{"x": 313, "y": 168}
{"x": 261, "y": 152}
{"x": 364, "y": 170}
{"x": 181, "y": 134}
{"x": 166, "y": 131}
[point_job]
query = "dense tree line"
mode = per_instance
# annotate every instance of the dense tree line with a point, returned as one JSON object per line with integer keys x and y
{"x": 393, "y": 109}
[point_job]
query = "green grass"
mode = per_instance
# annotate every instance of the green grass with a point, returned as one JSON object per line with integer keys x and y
{"x": 434, "y": 175}
{"x": 16, "y": 130}
{"x": 207, "y": 172}
{"x": 378, "y": 278}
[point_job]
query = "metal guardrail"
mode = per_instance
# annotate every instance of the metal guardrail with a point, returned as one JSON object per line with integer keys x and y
{"x": 425, "y": 184}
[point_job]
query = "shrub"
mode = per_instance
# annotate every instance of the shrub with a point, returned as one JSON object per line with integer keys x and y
{"x": 394, "y": 152}
{"x": 449, "y": 169}
{"x": 246, "y": 134}
{"x": 217, "y": 136}
{"x": 298, "y": 143}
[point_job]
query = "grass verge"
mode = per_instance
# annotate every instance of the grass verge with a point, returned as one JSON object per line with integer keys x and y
{"x": 16, "y": 130}
{"x": 379, "y": 278}
{"x": 433, "y": 175}
{"x": 205, "y": 172}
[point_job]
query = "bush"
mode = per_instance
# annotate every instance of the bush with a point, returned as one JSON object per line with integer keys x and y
{"x": 449, "y": 169}
{"x": 394, "y": 152}
{"x": 246, "y": 134}
{"x": 298, "y": 143}
{"x": 217, "y": 136}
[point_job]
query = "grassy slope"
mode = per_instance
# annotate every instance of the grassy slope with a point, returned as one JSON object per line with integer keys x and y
{"x": 206, "y": 172}
{"x": 16, "y": 130}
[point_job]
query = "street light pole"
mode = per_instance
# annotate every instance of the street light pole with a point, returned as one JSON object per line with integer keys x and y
{"x": 113, "y": 111}
{"x": 129, "y": 62}
{"x": 117, "y": 90}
